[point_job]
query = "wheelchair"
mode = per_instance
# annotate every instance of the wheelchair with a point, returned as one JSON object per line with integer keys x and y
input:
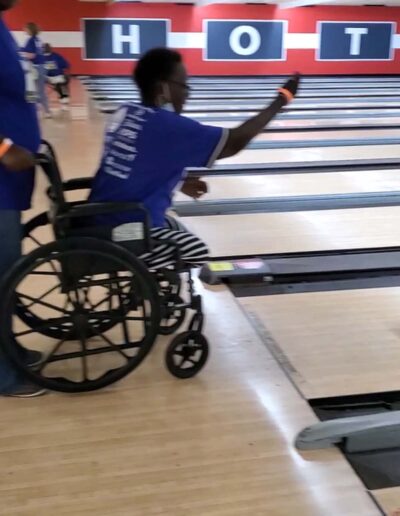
{"x": 86, "y": 300}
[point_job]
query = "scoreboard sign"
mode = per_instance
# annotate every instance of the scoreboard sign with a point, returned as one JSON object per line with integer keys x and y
{"x": 355, "y": 41}
{"x": 115, "y": 39}
{"x": 244, "y": 40}
{"x": 122, "y": 39}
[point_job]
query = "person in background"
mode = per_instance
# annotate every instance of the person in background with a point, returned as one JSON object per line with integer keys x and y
{"x": 19, "y": 140}
{"x": 33, "y": 51}
{"x": 57, "y": 70}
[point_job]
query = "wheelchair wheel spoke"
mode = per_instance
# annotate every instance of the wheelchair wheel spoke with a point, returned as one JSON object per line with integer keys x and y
{"x": 35, "y": 240}
{"x": 109, "y": 342}
{"x": 84, "y": 360}
{"x": 39, "y": 328}
{"x": 108, "y": 298}
{"x": 193, "y": 362}
{"x": 113, "y": 316}
{"x": 42, "y": 296}
{"x": 123, "y": 319}
{"x": 115, "y": 286}
{"x": 87, "y": 301}
{"x": 182, "y": 360}
{"x": 41, "y": 303}
{"x": 52, "y": 353}
{"x": 42, "y": 273}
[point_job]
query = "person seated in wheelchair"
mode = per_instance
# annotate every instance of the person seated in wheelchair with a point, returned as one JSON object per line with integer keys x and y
{"x": 148, "y": 147}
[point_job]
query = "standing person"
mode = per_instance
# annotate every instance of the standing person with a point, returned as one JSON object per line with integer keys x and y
{"x": 148, "y": 146}
{"x": 19, "y": 139}
{"x": 33, "y": 51}
{"x": 57, "y": 70}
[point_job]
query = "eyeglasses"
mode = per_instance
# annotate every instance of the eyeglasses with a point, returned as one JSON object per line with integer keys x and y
{"x": 181, "y": 84}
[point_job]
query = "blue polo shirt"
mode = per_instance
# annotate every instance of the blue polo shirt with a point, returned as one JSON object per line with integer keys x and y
{"x": 145, "y": 154}
{"x": 55, "y": 64}
{"x": 18, "y": 121}
{"x": 34, "y": 45}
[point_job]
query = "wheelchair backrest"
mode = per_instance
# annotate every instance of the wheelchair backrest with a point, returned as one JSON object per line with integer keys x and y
{"x": 48, "y": 161}
{"x": 75, "y": 219}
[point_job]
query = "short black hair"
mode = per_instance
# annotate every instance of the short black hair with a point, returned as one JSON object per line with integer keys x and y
{"x": 33, "y": 28}
{"x": 155, "y": 65}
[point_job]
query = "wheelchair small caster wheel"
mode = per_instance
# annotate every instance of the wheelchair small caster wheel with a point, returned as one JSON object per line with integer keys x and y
{"x": 187, "y": 354}
{"x": 173, "y": 316}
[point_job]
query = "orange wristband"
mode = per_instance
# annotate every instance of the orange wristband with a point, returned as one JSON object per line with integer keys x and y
{"x": 5, "y": 147}
{"x": 287, "y": 94}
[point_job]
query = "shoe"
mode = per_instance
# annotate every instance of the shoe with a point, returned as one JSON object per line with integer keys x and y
{"x": 33, "y": 358}
{"x": 48, "y": 115}
{"x": 25, "y": 390}
{"x": 30, "y": 357}
{"x": 64, "y": 100}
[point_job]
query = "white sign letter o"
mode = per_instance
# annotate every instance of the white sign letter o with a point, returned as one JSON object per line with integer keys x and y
{"x": 254, "y": 44}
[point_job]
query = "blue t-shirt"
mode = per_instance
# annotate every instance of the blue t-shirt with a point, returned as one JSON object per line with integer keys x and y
{"x": 34, "y": 45}
{"x": 18, "y": 121}
{"x": 55, "y": 64}
{"x": 145, "y": 154}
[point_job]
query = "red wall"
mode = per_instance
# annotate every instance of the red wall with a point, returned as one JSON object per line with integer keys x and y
{"x": 57, "y": 15}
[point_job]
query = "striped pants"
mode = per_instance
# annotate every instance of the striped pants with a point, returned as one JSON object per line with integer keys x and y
{"x": 192, "y": 250}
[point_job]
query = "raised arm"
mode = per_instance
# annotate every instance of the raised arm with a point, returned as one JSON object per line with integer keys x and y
{"x": 240, "y": 136}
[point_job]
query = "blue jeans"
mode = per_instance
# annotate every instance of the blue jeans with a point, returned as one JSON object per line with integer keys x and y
{"x": 10, "y": 251}
{"x": 41, "y": 87}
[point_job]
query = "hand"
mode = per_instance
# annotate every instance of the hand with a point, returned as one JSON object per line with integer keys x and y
{"x": 194, "y": 187}
{"x": 292, "y": 84}
{"x": 17, "y": 158}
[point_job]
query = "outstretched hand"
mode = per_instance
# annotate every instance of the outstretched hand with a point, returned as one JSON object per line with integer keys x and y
{"x": 292, "y": 85}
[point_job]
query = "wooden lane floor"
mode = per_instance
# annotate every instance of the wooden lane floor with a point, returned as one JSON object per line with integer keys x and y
{"x": 228, "y": 187}
{"x": 218, "y": 445}
{"x": 316, "y": 115}
{"x": 328, "y": 135}
{"x": 322, "y": 123}
{"x": 251, "y": 156}
{"x": 195, "y": 110}
{"x": 334, "y": 343}
{"x": 389, "y": 500}
{"x": 254, "y": 234}
{"x": 259, "y": 95}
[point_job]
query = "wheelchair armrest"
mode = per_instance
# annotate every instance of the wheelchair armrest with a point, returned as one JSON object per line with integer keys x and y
{"x": 102, "y": 208}
{"x": 72, "y": 185}
{"x": 46, "y": 158}
{"x": 83, "y": 183}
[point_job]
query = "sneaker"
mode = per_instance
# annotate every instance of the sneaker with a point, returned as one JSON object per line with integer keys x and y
{"x": 33, "y": 358}
{"x": 25, "y": 390}
{"x": 64, "y": 100}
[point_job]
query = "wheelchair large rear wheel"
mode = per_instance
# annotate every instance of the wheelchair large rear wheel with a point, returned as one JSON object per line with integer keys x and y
{"x": 36, "y": 232}
{"x": 77, "y": 284}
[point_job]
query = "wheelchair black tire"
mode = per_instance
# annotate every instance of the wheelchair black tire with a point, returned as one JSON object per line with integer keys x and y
{"x": 190, "y": 342}
{"x": 23, "y": 312}
{"x": 112, "y": 251}
{"x": 38, "y": 221}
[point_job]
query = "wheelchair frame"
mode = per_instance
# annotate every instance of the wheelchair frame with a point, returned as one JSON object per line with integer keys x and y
{"x": 81, "y": 250}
